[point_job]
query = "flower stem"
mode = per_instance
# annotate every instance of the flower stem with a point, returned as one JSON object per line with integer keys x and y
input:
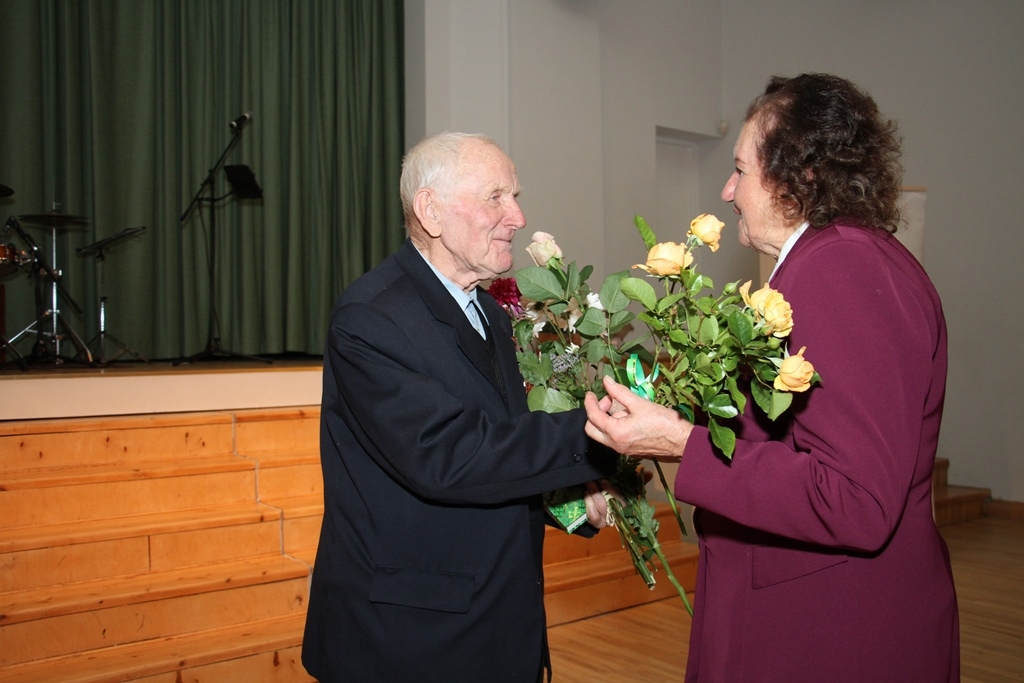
{"x": 672, "y": 578}
{"x": 671, "y": 498}
{"x": 617, "y": 517}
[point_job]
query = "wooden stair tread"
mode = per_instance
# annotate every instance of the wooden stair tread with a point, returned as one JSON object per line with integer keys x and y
{"x": 297, "y": 506}
{"x": 85, "y": 531}
{"x": 286, "y": 458}
{"x": 570, "y": 574}
{"x": 93, "y": 424}
{"x": 161, "y": 655}
{"x": 275, "y": 414}
{"x": 305, "y": 555}
{"x": 945, "y": 493}
{"x": 39, "y": 603}
{"x": 92, "y": 474}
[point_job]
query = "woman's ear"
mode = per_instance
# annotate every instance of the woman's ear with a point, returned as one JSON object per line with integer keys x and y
{"x": 427, "y": 210}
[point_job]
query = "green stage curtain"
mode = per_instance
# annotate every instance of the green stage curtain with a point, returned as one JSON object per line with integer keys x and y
{"x": 116, "y": 111}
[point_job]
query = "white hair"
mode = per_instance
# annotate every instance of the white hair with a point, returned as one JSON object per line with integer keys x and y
{"x": 433, "y": 162}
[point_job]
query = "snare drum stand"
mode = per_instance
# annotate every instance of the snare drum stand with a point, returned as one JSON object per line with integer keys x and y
{"x": 100, "y": 340}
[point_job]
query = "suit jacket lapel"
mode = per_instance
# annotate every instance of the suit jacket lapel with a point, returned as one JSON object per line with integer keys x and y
{"x": 446, "y": 311}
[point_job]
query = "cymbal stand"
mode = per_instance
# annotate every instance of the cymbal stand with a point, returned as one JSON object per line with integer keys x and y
{"x": 99, "y": 249}
{"x": 6, "y": 343}
{"x": 53, "y": 314}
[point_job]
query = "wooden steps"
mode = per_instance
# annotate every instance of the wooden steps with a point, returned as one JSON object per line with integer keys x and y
{"x": 954, "y": 504}
{"x": 265, "y": 651}
{"x": 179, "y": 547}
{"x": 138, "y": 548}
{"x": 584, "y": 577}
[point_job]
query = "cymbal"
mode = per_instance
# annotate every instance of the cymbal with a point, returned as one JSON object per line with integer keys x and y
{"x": 5, "y": 191}
{"x": 54, "y": 219}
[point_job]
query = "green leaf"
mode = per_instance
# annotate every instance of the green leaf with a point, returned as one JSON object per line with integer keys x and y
{"x": 572, "y": 282}
{"x": 597, "y": 351}
{"x": 592, "y": 323}
{"x": 652, "y": 321}
{"x": 550, "y": 400}
{"x": 708, "y": 330}
{"x": 781, "y": 400}
{"x": 535, "y": 370}
{"x": 639, "y": 290}
{"x": 611, "y": 295}
{"x": 645, "y": 232}
{"x": 742, "y": 326}
{"x": 722, "y": 406}
{"x": 539, "y": 284}
{"x": 679, "y": 336}
{"x": 619, "y": 320}
{"x": 710, "y": 374}
{"x": 669, "y": 301}
{"x": 723, "y": 437}
{"x": 762, "y": 396}
{"x": 706, "y": 305}
{"x": 738, "y": 397}
{"x": 558, "y": 308}
{"x": 523, "y": 332}
{"x": 695, "y": 286}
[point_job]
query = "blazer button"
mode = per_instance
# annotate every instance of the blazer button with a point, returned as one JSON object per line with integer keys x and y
{"x": 577, "y": 458}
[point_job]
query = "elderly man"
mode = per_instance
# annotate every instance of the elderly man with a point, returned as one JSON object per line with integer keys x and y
{"x": 429, "y": 566}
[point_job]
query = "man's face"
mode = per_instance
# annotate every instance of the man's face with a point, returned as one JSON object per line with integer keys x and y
{"x": 480, "y": 216}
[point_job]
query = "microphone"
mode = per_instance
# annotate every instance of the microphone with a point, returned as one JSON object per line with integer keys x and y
{"x": 240, "y": 123}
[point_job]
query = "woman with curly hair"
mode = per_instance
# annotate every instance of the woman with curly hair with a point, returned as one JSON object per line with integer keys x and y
{"x": 820, "y": 559}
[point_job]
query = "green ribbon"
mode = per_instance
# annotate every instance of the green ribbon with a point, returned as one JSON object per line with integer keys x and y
{"x": 639, "y": 383}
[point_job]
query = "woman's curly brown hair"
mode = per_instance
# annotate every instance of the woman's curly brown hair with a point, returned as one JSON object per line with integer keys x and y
{"x": 828, "y": 151}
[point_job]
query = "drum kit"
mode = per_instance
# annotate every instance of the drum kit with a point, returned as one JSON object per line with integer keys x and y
{"x": 51, "y": 326}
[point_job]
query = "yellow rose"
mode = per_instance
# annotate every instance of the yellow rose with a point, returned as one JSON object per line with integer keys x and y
{"x": 770, "y": 307}
{"x": 745, "y": 293}
{"x": 543, "y": 248}
{"x": 708, "y": 229}
{"x": 795, "y": 373}
{"x": 666, "y": 258}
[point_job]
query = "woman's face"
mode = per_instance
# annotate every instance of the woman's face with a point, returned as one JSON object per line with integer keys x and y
{"x": 762, "y": 225}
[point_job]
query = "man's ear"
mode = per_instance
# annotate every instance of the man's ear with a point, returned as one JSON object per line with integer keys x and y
{"x": 427, "y": 211}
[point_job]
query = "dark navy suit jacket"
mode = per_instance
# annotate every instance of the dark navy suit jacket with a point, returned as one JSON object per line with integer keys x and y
{"x": 429, "y": 565}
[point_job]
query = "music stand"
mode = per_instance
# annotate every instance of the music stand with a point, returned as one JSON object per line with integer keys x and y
{"x": 54, "y": 220}
{"x": 243, "y": 183}
{"x": 100, "y": 340}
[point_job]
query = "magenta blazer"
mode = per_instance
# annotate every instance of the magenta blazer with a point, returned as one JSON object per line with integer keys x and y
{"x": 820, "y": 559}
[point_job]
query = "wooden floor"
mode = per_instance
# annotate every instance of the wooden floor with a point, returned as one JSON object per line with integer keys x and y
{"x": 649, "y": 643}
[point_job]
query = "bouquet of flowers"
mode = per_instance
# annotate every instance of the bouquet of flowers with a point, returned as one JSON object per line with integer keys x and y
{"x": 692, "y": 356}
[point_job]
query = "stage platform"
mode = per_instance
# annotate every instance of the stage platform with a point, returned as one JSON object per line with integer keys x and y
{"x": 135, "y": 388}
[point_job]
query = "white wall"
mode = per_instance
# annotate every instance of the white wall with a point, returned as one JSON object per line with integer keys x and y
{"x": 949, "y": 72}
{"x": 578, "y": 90}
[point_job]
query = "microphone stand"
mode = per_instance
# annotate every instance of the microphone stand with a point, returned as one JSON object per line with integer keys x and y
{"x": 214, "y": 349}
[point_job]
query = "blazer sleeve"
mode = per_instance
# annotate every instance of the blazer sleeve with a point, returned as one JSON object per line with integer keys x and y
{"x": 840, "y": 474}
{"x": 419, "y": 410}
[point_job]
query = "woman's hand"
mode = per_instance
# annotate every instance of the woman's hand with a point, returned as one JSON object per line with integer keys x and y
{"x": 634, "y": 426}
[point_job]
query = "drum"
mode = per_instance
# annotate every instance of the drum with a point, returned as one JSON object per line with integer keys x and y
{"x": 11, "y": 260}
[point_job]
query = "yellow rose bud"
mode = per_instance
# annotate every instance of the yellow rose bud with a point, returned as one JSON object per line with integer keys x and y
{"x": 543, "y": 248}
{"x": 770, "y": 306}
{"x": 795, "y": 373}
{"x": 666, "y": 258}
{"x": 708, "y": 229}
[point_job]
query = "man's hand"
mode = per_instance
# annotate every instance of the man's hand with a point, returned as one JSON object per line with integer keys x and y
{"x": 598, "y": 513}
